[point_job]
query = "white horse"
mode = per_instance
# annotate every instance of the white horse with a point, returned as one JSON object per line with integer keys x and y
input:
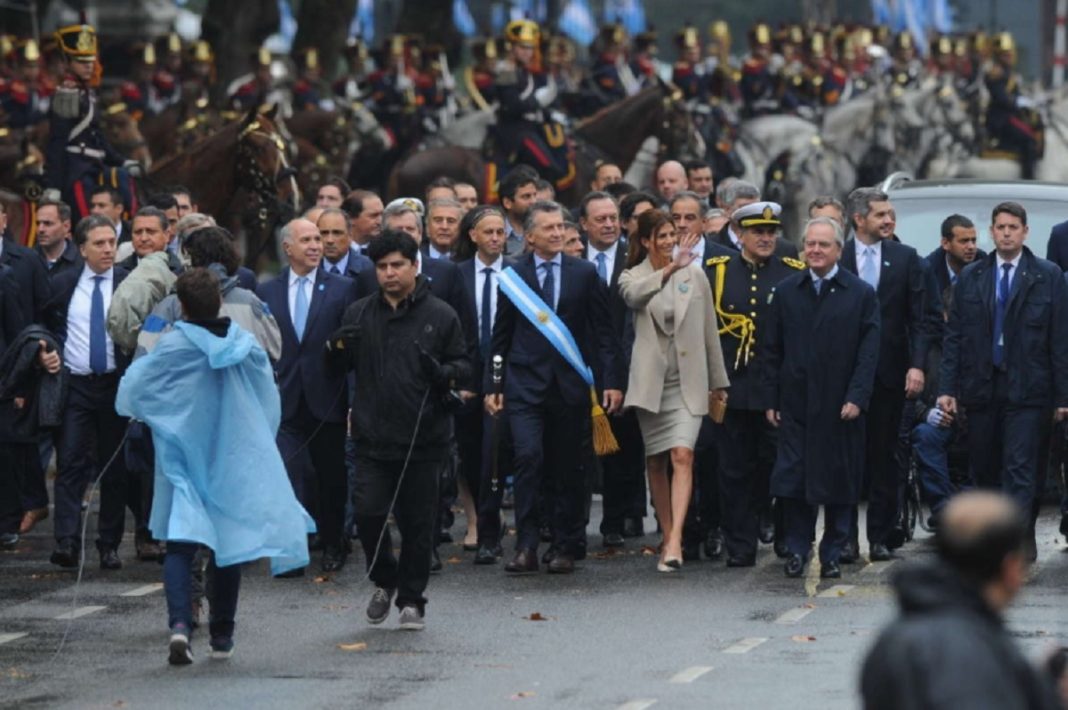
{"x": 763, "y": 140}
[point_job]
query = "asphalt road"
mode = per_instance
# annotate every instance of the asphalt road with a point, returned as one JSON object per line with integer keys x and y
{"x": 616, "y": 634}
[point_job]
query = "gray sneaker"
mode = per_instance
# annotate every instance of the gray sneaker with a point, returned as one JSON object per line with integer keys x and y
{"x": 411, "y": 619}
{"x": 378, "y": 607}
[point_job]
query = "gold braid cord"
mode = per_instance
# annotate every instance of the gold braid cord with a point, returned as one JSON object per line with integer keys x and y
{"x": 738, "y": 325}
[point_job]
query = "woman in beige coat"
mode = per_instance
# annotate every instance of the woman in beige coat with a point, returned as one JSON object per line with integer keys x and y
{"x": 676, "y": 370}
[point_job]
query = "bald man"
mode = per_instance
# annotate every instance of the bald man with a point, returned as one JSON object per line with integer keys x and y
{"x": 314, "y": 399}
{"x": 670, "y": 179}
{"x": 950, "y": 648}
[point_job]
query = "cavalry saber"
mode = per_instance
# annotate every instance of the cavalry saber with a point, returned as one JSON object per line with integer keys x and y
{"x": 495, "y": 435}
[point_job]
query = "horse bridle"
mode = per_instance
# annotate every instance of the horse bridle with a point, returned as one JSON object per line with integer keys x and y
{"x": 252, "y": 176}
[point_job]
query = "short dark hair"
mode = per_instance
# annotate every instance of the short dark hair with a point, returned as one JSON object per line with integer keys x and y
{"x": 977, "y": 554}
{"x": 620, "y": 189}
{"x": 198, "y": 292}
{"x": 156, "y": 212}
{"x": 334, "y": 180}
{"x": 629, "y": 203}
{"x": 826, "y": 201}
{"x": 163, "y": 201}
{"x": 952, "y": 222}
{"x": 180, "y": 190}
{"x": 392, "y": 240}
{"x": 543, "y": 184}
{"x": 440, "y": 181}
{"x": 1013, "y": 208}
{"x": 211, "y": 245}
{"x": 520, "y": 176}
{"x": 860, "y": 201}
{"x": 697, "y": 165}
{"x": 353, "y": 202}
{"x": 111, "y": 192}
{"x": 62, "y": 208}
{"x": 88, "y": 224}
{"x": 590, "y": 197}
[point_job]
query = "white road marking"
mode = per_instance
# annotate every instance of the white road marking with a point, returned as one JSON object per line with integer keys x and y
{"x": 838, "y": 590}
{"x": 794, "y": 615}
{"x": 6, "y": 638}
{"x": 690, "y": 674}
{"x": 745, "y": 645}
{"x": 142, "y": 591}
{"x": 79, "y": 612}
{"x": 640, "y": 704}
{"x": 877, "y": 567}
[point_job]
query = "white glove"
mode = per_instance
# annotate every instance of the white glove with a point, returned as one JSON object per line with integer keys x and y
{"x": 1024, "y": 102}
{"x": 935, "y": 416}
{"x": 404, "y": 82}
{"x": 546, "y": 94}
{"x": 134, "y": 168}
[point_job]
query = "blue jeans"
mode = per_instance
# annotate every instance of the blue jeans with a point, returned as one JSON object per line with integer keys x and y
{"x": 178, "y": 585}
{"x": 931, "y": 446}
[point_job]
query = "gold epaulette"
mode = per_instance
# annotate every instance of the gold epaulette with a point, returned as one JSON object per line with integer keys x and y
{"x": 718, "y": 260}
{"x": 794, "y": 263}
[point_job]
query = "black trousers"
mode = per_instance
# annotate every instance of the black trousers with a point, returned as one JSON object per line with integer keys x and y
{"x": 623, "y": 487}
{"x": 1004, "y": 442}
{"x": 880, "y": 458}
{"x": 747, "y": 454}
{"x": 415, "y": 514}
{"x": 86, "y": 441}
{"x": 314, "y": 456}
{"x": 548, "y": 440}
{"x": 704, "y": 514}
{"x": 800, "y": 521}
{"x": 10, "y": 490}
{"x": 489, "y": 500}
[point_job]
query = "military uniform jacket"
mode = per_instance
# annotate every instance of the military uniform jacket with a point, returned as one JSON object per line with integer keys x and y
{"x": 515, "y": 90}
{"x": 76, "y": 145}
{"x": 819, "y": 353}
{"x": 742, "y": 292}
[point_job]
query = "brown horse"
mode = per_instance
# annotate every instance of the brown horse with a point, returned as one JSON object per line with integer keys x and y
{"x": 615, "y": 133}
{"x": 242, "y": 169}
{"x": 21, "y": 175}
{"x": 122, "y": 133}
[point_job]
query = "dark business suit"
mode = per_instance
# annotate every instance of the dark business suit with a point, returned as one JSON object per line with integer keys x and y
{"x": 11, "y": 322}
{"x": 1057, "y": 247}
{"x": 314, "y": 399}
{"x": 908, "y": 315}
{"x": 548, "y": 403}
{"x": 940, "y": 270}
{"x": 1008, "y": 406}
{"x": 356, "y": 265}
{"x": 623, "y": 486}
{"x": 69, "y": 260}
{"x": 90, "y": 434}
{"x": 31, "y": 295}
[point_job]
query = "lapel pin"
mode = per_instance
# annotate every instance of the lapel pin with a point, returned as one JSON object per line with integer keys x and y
{"x": 322, "y": 287}
{"x": 684, "y": 287}
{"x": 886, "y": 263}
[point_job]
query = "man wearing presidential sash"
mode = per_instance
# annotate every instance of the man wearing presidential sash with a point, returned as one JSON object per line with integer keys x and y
{"x": 553, "y": 325}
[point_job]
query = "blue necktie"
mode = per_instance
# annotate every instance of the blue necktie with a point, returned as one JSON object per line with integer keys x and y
{"x": 601, "y": 270}
{"x": 98, "y": 342}
{"x": 548, "y": 286}
{"x": 817, "y": 284}
{"x": 1000, "y": 307}
{"x": 486, "y": 326}
{"x": 300, "y": 315}
{"x": 868, "y": 270}
{"x": 335, "y": 270}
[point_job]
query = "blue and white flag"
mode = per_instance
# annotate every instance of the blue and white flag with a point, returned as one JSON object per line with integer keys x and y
{"x": 363, "y": 22}
{"x": 629, "y": 13}
{"x": 576, "y": 21}
{"x": 462, "y": 18}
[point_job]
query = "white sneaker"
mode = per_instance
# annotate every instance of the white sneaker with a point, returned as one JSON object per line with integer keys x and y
{"x": 411, "y": 619}
{"x": 180, "y": 652}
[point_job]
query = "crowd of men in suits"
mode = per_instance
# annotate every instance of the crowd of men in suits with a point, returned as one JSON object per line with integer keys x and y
{"x": 411, "y": 378}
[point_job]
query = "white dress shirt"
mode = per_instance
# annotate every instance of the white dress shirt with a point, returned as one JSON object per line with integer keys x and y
{"x": 609, "y": 258}
{"x": 309, "y": 290}
{"x": 480, "y": 279}
{"x": 342, "y": 264}
{"x": 877, "y": 258}
{"x": 76, "y": 349}
{"x": 434, "y": 253}
{"x": 735, "y": 240}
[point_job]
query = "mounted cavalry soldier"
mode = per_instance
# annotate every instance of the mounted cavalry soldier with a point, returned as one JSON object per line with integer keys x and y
{"x": 78, "y": 156}
{"x": 1012, "y": 123}
{"x": 526, "y": 133}
{"x": 26, "y": 97}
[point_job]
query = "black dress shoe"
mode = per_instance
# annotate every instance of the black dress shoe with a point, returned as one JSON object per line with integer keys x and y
{"x": 545, "y": 533}
{"x": 562, "y": 564}
{"x": 524, "y": 562}
{"x": 9, "y": 541}
{"x": 109, "y": 559}
{"x": 435, "y": 561}
{"x": 333, "y": 559}
{"x": 795, "y": 566}
{"x": 548, "y": 555}
{"x": 291, "y": 574}
{"x": 850, "y": 553}
{"x": 1064, "y": 524}
{"x": 487, "y": 555}
{"x": 895, "y": 538}
{"x": 315, "y": 543}
{"x": 830, "y": 570}
{"x": 741, "y": 560}
{"x": 444, "y": 536}
{"x": 1030, "y": 547}
{"x": 781, "y": 551}
{"x": 879, "y": 552}
{"x": 691, "y": 552}
{"x": 632, "y": 527}
{"x": 714, "y": 545}
{"x": 65, "y": 554}
{"x": 767, "y": 528}
{"x": 613, "y": 540}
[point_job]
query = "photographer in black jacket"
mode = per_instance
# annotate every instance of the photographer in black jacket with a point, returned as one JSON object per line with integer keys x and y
{"x": 408, "y": 353}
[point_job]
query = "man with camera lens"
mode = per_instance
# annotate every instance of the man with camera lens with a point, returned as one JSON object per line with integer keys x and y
{"x": 409, "y": 356}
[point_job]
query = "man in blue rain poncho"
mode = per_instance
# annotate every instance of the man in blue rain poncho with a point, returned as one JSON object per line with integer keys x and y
{"x": 208, "y": 395}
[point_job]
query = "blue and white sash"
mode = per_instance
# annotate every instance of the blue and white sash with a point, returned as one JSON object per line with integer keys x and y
{"x": 534, "y": 309}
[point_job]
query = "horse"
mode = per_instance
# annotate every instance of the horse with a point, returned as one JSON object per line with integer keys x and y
{"x": 22, "y": 170}
{"x": 245, "y": 159}
{"x": 938, "y": 129}
{"x": 615, "y": 133}
{"x": 123, "y": 134}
